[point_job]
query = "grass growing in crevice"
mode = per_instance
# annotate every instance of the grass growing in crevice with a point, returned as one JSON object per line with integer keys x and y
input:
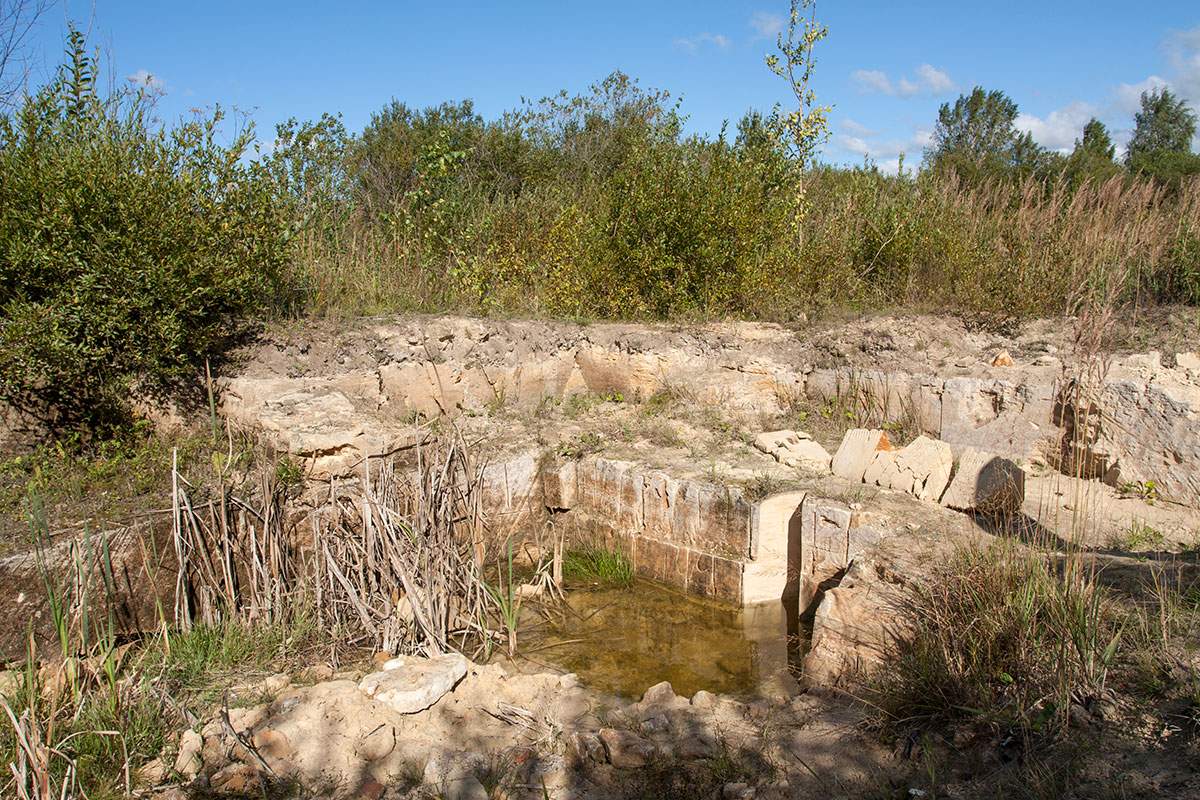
{"x": 596, "y": 564}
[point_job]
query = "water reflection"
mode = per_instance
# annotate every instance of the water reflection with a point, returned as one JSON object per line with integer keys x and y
{"x": 622, "y": 640}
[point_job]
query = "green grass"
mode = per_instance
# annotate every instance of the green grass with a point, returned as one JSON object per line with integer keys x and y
{"x": 596, "y": 564}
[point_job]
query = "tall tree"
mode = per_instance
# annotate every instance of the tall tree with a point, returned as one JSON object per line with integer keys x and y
{"x": 977, "y": 137}
{"x": 1096, "y": 142}
{"x": 803, "y": 130}
{"x": 1165, "y": 123}
{"x": 1161, "y": 146}
{"x": 1093, "y": 156}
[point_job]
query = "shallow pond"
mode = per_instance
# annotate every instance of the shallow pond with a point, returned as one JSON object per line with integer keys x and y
{"x": 622, "y": 640}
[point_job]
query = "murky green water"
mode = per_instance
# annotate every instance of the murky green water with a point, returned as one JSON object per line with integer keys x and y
{"x": 623, "y": 640}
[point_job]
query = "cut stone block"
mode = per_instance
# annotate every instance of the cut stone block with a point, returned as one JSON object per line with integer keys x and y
{"x": 410, "y": 684}
{"x": 794, "y": 449}
{"x": 856, "y": 452}
{"x": 986, "y": 482}
{"x": 884, "y": 461}
{"x": 924, "y": 467}
{"x": 560, "y": 484}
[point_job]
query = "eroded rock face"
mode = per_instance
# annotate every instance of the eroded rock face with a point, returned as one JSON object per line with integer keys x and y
{"x": 859, "y": 623}
{"x": 144, "y": 571}
{"x": 336, "y": 401}
{"x": 1142, "y": 425}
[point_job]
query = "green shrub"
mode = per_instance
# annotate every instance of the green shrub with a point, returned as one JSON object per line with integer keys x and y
{"x": 126, "y": 249}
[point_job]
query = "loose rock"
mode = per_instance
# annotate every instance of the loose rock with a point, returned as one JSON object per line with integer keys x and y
{"x": 235, "y": 779}
{"x": 188, "y": 762}
{"x": 857, "y": 451}
{"x": 410, "y": 684}
{"x": 626, "y": 750}
{"x": 794, "y": 449}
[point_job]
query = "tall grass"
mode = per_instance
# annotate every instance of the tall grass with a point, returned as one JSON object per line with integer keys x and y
{"x": 1009, "y": 636}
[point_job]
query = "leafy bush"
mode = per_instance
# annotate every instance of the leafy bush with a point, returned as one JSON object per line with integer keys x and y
{"x": 126, "y": 249}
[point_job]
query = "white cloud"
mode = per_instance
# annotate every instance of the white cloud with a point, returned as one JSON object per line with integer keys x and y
{"x": 1127, "y": 97}
{"x": 890, "y": 166}
{"x": 922, "y": 139}
{"x": 766, "y": 26}
{"x": 696, "y": 42}
{"x": 872, "y": 80}
{"x": 936, "y": 81}
{"x": 854, "y": 128}
{"x": 144, "y": 78}
{"x": 1061, "y": 127}
{"x": 928, "y": 80}
{"x": 1183, "y": 51}
{"x": 852, "y": 144}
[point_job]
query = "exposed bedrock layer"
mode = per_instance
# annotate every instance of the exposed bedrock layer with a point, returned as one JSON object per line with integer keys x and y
{"x": 338, "y": 398}
{"x": 334, "y": 402}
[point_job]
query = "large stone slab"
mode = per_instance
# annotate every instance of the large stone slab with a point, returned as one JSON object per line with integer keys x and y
{"x": 923, "y": 468}
{"x": 986, "y": 482}
{"x": 857, "y": 451}
{"x": 1143, "y": 425}
{"x": 411, "y": 684}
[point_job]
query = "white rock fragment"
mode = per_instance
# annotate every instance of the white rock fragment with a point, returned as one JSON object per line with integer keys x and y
{"x": 189, "y": 762}
{"x": 1189, "y": 362}
{"x": 410, "y": 684}
{"x": 924, "y": 467}
{"x": 880, "y": 465}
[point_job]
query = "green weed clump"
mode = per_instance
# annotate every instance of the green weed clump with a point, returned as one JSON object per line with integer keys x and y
{"x": 597, "y": 564}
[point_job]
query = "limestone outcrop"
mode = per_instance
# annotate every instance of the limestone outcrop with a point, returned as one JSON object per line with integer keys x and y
{"x": 352, "y": 394}
{"x": 336, "y": 741}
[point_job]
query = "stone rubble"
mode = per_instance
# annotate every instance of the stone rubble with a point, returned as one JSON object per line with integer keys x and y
{"x": 857, "y": 451}
{"x": 336, "y": 741}
{"x": 794, "y": 449}
{"x": 981, "y": 481}
{"x": 985, "y": 482}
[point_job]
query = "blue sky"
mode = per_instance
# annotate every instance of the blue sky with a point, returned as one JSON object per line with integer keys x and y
{"x": 886, "y": 67}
